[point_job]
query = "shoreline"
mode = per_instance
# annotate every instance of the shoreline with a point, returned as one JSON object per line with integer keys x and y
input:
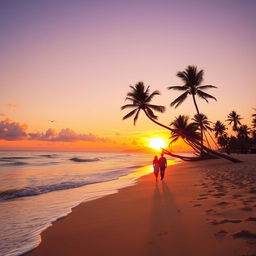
{"x": 147, "y": 219}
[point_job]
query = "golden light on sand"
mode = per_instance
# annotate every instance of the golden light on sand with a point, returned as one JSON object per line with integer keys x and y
{"x": 157, "y": 143}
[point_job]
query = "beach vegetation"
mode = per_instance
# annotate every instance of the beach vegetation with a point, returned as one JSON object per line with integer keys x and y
{"x": 140, "y": 100}
{"x": 192, "y": 79}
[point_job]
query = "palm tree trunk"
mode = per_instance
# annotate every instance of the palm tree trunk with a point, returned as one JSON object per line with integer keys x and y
{"x": 210, "y": 151}
{"x": 201, "y": 126}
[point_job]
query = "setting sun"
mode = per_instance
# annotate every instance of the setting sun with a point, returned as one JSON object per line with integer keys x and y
{"x": 157, "y": 143}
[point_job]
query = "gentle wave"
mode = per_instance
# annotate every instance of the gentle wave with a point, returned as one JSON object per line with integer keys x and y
{"x": 77, "y": 159}
{"x": 37, "y": 190}
{"x": 49, "y": 156}
{"x": 10, "y": 158}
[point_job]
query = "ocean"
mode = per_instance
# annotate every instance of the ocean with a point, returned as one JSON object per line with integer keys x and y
{"x": 38, "y": 188}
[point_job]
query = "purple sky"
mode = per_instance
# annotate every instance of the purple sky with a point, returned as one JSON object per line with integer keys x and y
{"x": 73, "y": 60}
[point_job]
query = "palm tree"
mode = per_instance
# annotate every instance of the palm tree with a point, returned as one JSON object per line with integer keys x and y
{"x": 243, "y": 131}
{"x": 219, "y": 128}
{"x": 234, "y": 118}
{"x": 192, "y": 80}
{"x": 201, "y": 120}
{"x": 141, "y": 98}
{"x": 181, "y": 128}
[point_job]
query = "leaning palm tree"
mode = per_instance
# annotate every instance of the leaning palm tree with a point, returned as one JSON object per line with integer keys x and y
{"x": 192, "y": 79}
{"x": 201, "y": 120}
{"x": 219, "y": 128}
{"x": 140, "y": 100}
{"x": 181, "y": 128}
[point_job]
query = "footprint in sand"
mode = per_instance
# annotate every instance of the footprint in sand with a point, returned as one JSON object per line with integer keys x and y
{"x": 221, "y": 233}
{"x": 211, "y": 211}
{"x": 251, "y": 219}
{"x": 197, "y": 205}
{"x": 219, "y": 194}
{"x": 247, "y": 209}
{"x": 236, "y": 195}
{"x": 202, "y": 198}
{"x": 216, "y": 222}
{"x": 222, "y": 203}
{"x": 244, "y": 234}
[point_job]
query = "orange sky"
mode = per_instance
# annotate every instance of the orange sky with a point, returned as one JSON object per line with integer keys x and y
{"x": 72, "y": 62}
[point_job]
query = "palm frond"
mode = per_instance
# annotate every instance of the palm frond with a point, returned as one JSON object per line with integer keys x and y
{"x": 150, "y": 97}
{"x": 198, "y": 76}
{"x": 205, "y": 95}
{"x": 157, "y": 107}
{"x": 151, "y": 113}
{"x": 203, "y": 87}
{"x": 136, "y": 117}
{"x": 130, "y": 114}
{"x": 179, "y": 100}
{"x": 129, "y": 106}
{"x": 178, "y": 88}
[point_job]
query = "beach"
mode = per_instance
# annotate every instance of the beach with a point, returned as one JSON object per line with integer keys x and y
{"x": 201, "y": 208}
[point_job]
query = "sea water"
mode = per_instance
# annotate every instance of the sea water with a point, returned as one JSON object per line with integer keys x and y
{"x": 37, "y": 188}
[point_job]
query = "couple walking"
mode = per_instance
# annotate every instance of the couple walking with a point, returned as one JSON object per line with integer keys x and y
{"x": 159, "y": 164}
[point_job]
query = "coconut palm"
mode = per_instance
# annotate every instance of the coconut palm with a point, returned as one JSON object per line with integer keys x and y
{"x": 234, "y": 118}
{"x": 219, "y": 128}
{"x": 243, "y": 131}
{"x": 181, "y": 128}
{"x": 201, "y": 120}
{"x": 192, "y": 80}
{"x": 141, "y": 98}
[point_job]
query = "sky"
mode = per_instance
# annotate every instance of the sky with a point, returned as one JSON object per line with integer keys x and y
{"x": 73, "y": 62}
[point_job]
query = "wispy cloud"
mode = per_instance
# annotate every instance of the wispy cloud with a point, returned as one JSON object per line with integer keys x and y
{"x": 2, "y": 114}
{"x": 10, "y": 130}
{"x": 12, "y": 105}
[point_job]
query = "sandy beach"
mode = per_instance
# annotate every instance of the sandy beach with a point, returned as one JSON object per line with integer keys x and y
{"x": 201, "y": 208}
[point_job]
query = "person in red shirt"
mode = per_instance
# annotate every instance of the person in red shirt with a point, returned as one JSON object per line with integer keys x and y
{"x": 162, "y": 165}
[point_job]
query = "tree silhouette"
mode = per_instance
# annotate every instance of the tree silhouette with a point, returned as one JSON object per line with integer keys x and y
{"x": 141, "y": 98}
{"x": 234, "y": 118}
{"x": 219, "y": 128}
{"x": 192, "y": 80}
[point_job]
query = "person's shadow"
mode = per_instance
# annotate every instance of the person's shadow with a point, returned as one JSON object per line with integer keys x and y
{"x": 164, "y": 223}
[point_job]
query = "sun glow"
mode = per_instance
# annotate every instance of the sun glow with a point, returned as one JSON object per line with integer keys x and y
{"x": 157, "y": 143}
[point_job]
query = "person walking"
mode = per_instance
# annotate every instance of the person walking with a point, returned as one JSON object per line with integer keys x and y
{"x": 156, "y": 166}
{"x": 162, "y": 165}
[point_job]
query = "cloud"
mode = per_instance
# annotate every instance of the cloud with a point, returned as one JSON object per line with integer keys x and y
{"x": 2, "y": 114}
{"x": 65, "y": 135}
{"x": 11, "y": 105}
{"x": 12, "y": 131}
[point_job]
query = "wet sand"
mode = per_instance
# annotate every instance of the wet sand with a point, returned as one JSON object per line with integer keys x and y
{"x": 201, "y": 208}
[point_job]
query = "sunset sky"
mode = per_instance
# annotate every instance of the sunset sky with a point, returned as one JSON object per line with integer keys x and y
{"x": 73, "y": 62}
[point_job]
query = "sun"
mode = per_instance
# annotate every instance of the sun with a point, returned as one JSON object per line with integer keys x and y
{"x": 157, "y": 143}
